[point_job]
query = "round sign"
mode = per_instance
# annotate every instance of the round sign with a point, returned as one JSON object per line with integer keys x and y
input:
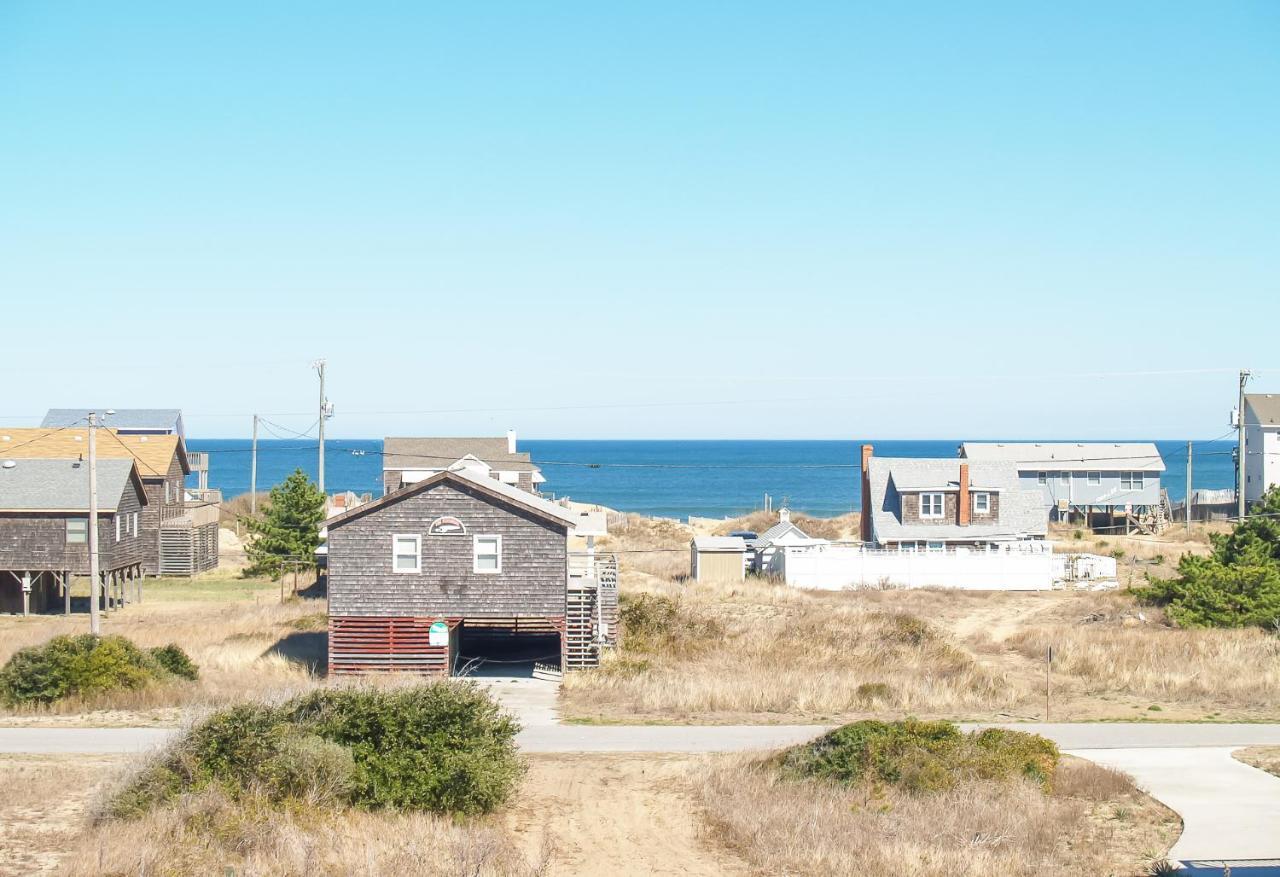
{"x": 438, "y": 634}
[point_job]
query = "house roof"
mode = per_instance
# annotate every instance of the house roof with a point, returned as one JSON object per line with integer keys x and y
{"x": 1022, "y": 510}
{"x": 153, "y": 453}
{"x": 399, "y": 452}
{"x": 63, "y": 485}
{"x": 1130, "y": 456}
{"x": 491, "y": 486}
{"x": 1265, "y": 407}
{"x": 719, "y": 543}
{"x": 777, "y": 531}
{"x": 123, "y": 418}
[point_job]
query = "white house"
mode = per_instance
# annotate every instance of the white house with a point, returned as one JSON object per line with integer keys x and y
{"x": 410, "y": 460}
{"x": 767, "y": 548}
{"x": 1261, "y": 443}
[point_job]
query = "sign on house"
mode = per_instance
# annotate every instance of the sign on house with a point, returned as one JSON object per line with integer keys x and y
{"x": 438, "y": 634}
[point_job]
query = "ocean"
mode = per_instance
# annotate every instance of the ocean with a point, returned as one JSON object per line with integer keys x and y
{"x": 666, "y": 478}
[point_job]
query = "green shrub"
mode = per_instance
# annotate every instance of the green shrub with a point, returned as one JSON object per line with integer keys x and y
{"x": 444, "y": 747}
{"x": 920, "y": 757}
{"x": 84, "y": 665}
{"x": 174, "y": 660}
{"x": 653, "y": 623}
{"x": 872, "y": 691}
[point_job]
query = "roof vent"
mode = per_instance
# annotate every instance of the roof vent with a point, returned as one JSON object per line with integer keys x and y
{"x": 8, "y": 464}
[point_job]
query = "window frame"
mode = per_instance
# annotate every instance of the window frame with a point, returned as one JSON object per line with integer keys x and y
{"x": 396, "y": 554}
{"x": 942, "y": 505}
{"x": 986, "y": 503}
{"x": 117, "y": 522}
{"x": 1132, "y": 480}
{"x": 496, "y": 538}
{"x": 135, "y": 523}
{"x": 85, "y": 535}
{"x": 1094, "y": 479}
{"x": 1042, "y": 478}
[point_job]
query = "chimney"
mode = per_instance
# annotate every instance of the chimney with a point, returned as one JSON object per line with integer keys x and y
{"x": 962, "y": 503}
{"x": 865, "y": 523}
{"x": 511, "y": 441}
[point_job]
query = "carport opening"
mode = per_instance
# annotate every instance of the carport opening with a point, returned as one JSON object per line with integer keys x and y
{"x": 505, "y": 647}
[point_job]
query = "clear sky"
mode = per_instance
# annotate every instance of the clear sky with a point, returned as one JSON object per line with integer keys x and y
{"x": 790, "y": 220}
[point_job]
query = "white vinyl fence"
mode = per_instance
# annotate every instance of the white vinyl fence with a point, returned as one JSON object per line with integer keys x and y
{"x": 1034, "y": 568}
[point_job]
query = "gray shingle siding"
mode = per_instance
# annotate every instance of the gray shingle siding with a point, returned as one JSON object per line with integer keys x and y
{"x": 534, "y": 576}
{"x": 38, "y": 540}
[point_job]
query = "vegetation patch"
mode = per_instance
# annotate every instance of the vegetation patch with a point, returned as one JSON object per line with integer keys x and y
{"x": 442, "y": 748}
{"x": 655, "y": 623}
{"x": 86, "y": 665}
{"x": 920, "y": 757}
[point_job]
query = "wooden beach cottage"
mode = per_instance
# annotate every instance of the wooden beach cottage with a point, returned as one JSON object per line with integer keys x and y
{"x": 459, "y": 568}
{"x": 44, "y": 530}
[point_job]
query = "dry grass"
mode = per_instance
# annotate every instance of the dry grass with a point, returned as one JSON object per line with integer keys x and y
{"x": 842, "y": 527}
{"x": 1095, "y": 823}
{"x": 244, "y": 640}
{"x": 207, "y": 834}
{"x": 784, "y": 653}
{"x": 1262, "y": 757}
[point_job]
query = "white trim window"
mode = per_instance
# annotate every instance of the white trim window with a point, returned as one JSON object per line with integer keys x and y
{"x": 1042, "y": 477}
{"x": 1064, "y": 477}
{"x": 135, "y": 523}
{"x": 486, "y": 554}
{"x": 982, "y": 503}
{"x": 406, "y": 553}
{"x": 77, "y": 531}
{"x": 119, "y": 519}
{"x": 932, "y": 505}
{"x": 936, "y": 547}
{"x": 1131, "y": 481}
{"x": 1095, "y": 479}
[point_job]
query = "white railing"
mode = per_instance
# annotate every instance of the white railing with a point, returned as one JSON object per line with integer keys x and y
{"x": 1023, "y": 567}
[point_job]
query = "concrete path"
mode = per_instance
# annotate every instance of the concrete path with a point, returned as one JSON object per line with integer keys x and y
{"x": 1229, "y": 810}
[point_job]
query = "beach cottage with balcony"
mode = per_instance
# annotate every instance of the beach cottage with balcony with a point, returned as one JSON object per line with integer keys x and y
{"x": 1262, "y": 444}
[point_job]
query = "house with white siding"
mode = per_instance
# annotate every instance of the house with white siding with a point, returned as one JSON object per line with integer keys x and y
{"x": 407, "y": 460}
{"x": 1262, "y": 444}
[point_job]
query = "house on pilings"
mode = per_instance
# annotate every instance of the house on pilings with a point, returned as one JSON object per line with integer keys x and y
{"x": 44, "y": 532}
{"x": 459, "y": 569}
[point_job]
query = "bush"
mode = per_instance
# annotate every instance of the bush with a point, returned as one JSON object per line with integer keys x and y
{"x": 1237, "y": 585}
{"x": 174, "y": 660}
{"x": 444, "y": 747}
{"x": 920, "y": 757}
{"x": 86, "y": 665}
{"x": 654, "y": 623}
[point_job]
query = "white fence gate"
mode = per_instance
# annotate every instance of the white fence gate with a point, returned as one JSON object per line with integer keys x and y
{"x": 1036, "y": 568}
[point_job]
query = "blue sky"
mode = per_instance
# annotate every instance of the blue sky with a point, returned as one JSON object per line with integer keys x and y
{"x": 728, "y": 220}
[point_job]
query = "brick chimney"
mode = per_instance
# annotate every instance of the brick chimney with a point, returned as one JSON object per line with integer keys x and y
{"x": 865, "y": 523}
{"x": 962, "y": 502}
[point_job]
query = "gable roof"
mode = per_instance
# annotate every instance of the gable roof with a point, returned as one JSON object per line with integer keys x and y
{"x": 123, "y": 418}
{"x": 404, "y": 452}
{"x": 1022, "y": 510}
{"x": 1265, "y": 407}
{"x": 719, "y": 543}
{"x": 63, "y": 485}
{"x": 153, "y": 453}
{"x": 1133, "y": 456}
{"x": 777, "y": 531}
{"x": 540, "y": 507}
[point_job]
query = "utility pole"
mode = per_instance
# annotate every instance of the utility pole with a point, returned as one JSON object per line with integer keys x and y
{"x": 95, "y": 622}
{"x": 253, "y": 471}
{"x": 1189, "y": 491}
{"x": 326, "y": 411}
{"x": 1240, "y": 447}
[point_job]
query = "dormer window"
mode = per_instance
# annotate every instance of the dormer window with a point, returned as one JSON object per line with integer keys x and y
{"x": 982, "y": 503}
{"x": 931, "y": 505}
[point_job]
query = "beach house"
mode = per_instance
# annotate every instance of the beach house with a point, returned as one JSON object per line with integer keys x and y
{"x": 1087, "y": 480}
{"x": 409, "y": 460}
{"x": 459, "y": 568}
{"x": 44, "y": 530}
{"x": 1262, "y": 444}
{"x": 911, "y": 504}
{"x": 178, "y": 537}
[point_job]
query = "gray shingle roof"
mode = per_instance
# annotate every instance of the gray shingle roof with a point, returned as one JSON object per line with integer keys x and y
{"x": 440, "y": 453}
{"x": 1265, "y": 407}
{"x": 1132, "y": 456}
{"x": 61, "y": 485}
{"x": 1022, "y": 511}
{"x": 124, "y": 418}
{"x": 777, "y": 531}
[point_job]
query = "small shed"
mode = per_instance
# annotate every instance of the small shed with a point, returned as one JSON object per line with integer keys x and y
{"x": 718, "y": 559}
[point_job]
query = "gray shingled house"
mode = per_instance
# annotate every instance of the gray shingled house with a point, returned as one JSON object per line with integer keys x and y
{"x": 44, "y": 529}
{"x": 457, "y": 568}
{"x": 408, "y": 460}
{"x": 916, "y": 504}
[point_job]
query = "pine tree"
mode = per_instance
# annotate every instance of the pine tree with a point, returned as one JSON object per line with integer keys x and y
{"x": 289, "y": 528}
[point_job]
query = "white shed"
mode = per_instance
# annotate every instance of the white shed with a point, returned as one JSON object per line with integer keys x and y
{"x": 718, "y": 559}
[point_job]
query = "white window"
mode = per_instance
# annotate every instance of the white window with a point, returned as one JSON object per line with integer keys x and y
{"x": 406, "y": 553}
{"x": 77, "y": 531}
{"x": 166, "y": 493}
{"x": 487, "y": 554}
{"x": 135, "y": 523}
{"x": 1130, "y": 480}
{"x": 937, "y": 546}
{"x": 119, "y": 520}
{"x": 1095, "y": 478}
{"x": 1042, "y": 477}
{"x": 1064, "y": 477}
{"x": 931, "y": 505}
{"x": 982, "y": 503}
